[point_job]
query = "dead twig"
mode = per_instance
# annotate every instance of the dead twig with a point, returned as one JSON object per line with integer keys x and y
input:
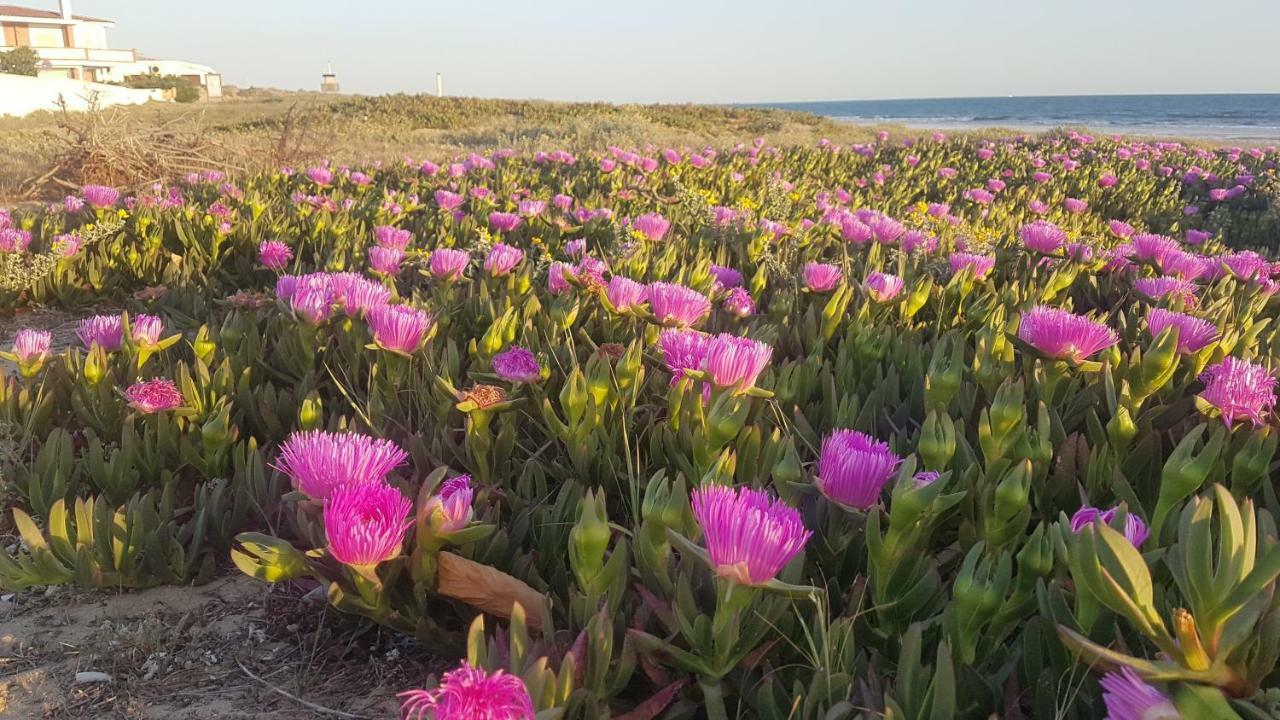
{"x": 310, "y": 705}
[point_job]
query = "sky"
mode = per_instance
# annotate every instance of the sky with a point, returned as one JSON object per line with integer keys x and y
{"x": 715, "y": 51}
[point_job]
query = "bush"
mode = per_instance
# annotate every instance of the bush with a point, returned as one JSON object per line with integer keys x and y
{"x": 184, "y": 91}
{"x": 19, "y": 61}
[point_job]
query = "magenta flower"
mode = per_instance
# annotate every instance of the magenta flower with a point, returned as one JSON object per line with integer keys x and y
{"x": 854, "y": 230}
{"x": 576, "y": 248}
{"x": 66, "y": 245}
{"x": 1151, "y": 248}
{"x": 449, "y": 264}
{"x": 531, "y": 208}
{"x": 750, "y": 534}
{"x": 1162, "y": 287}
{"x": 319, "y": 462}
{"x": 1042, "y": 236}
{"x": 357, "y": 294}
{"x": 502, "y": 259}
{"x": 736, "y": 362}
{"x": 13, "y": 240}
{"x": 100, "y": 196}
{"x": 1074, "y": 205}
{"x": 651, "y": 225}
{"x": 677, "y": 305}
{"x": 1185, "y": 265}
{"x": 624, "y": 293}
{"x": 73, "y": 204}
{"x": 312, "y": 304}
{"x": 450, "y": 507}
{"x": 821, "y": 277}
{"x": 392, "y": 237}
{"x": 504, "y": 222}
{"x": 146, "y": 330}
{"x": 1120, "y": 229}
{"x": 853, "y": 468}
{"x": 883, "y": 287}
{"x": 925, "y": 477}
{"x": 1246, "y": 265}
{"x": 105, "y": 331}
{"x": 31, "y": 346}
{"x": 153, "y": 396}
{"x": 365, "y": 524}
{"x": 1197, "y": 237}
{"x": 385, "y": 260}
{"x": 320, "y": 175}
{"x": 1063, "y": 335}
{"x": 1239, "y": 388}
{"x": 979, "y": 265}
{"x": 683, "y": 350}
{"x": 449, "y": 201}
{"x": 739, "y": 303}
{"x": 274, "y": 255}
{"x": 885, "y": 229}
{"x": 914, "y": 240}
{"x": 1194, "y": 334}
{"x": 1038, "y": 207}
{"x": 557, "y": 284}
{"x": 1127, "y": 697}
{"x": 399, "y": 328}
{"x": 726, "y": 277}
{"x": 469, "y": 693}
{"x": 517, "y": 365}
{"x": 1135, "y": 530}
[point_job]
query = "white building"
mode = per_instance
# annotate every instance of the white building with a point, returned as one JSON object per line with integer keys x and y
{"x": 74, "y": 46}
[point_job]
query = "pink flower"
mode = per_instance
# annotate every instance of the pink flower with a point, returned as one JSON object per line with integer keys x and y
{"x": 683, "y": 350}
{"x": 739, "y": 303}
{"x": 736, "y": 362}
{"x": 883, "y": 287}
{"x": 678, "y": 305}
{"x": 624, "y": 293}
{"x": 914, "y": 240}
{"x": 1039, "y": 207}
{"x": 1074, "y": 205}
{"x": 385, "y": 260}
{"x": 469, "y": 693}
{"x": 1151, "y": 248}
{"x": 1239, "y": 388}
{"x": 726, "y": 277}
{"x": 153, "y": 396}
{"x": 319, "y": 462}
{"x": 517, "y": 365}
{"x": 365, "y": 523}
{"x": 652, "y": 225}
{"x": 750, "y": 535}
{"x": 312, "y": 304}
{"x": 531, "y": 208}
{"x": 979, "y": 265}
{"x": 392, "y": 237}
{"x": 1063, "y": 335}
{"x": 448, "y": 263}
{"x": 821, "y": 277}
{"x": 13, "y": 240}
{"x": 885, "y": 229}
{"x": 31, "y": 346}
{"x": 853, "y": 468}
{"x": 1121, "y": 229}
{"x": 66, "y": 245}
{"x": 320, "y": 175}
{"x": 1162, "y": 287}
{"x": 1135, "y": 530}
{"x": 576, "y": 248}
{"x": 854, "y": 230}
{"x": 100, "y": 196}
{"x": 1127, "y": 697}
{"x": 450, "y": 508}
{"x": 105, "y": 331}
{"x": 448, "y": 201}
{"x": 502, "y": 259}
{"x": 399, "y": 328}
{"x": 274, "y": 255}
{"x": 504, "y": 222}
{"x": 1042, "y": 237}
{"x": 146, "y": 330}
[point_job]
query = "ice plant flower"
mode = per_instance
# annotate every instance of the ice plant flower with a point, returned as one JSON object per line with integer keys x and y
{"x": 683, "y": 350}
{"x": 750, "y": 534}
{"x": 979, "y": 265}
{"x": 674, "y": 304}
{"x": 1151, "y": 248}
{"x": 821, "y": 277}
{"x": 365, "y": 524}
{"x": 66, "y": 245}
{"x": 448, "y": 263}
{"x": 32, "y": 346}
{"x": 1128, "y": 697}
{"x": 14, "y": 240}
{"x": 100, "y": 196}
{"x": 736, "y": 362}
{"x": 504, "y": 222}
{"x": 392, "y": 237}
{"x": 853, "y": 468}
{"x": 274, "y": 255}
{"x": 726, "y": 277}
{"x": 400, "y": 329}
{"x": 105, "y": 331}
{"x": 1042, "y": 236}
{"x": 153, "y": 396}
{"x": 624, "y": 293}
{"x": 319, "y": 462}
{"x": 502, "y": 259}
{"x": 556, "y": 282}
{"x": 312, "y": 304}
{"x": 739, "y": 303}
{"x": 1162, "y": 287}
{"x": 883, "y": 287}
{"x": 651, "y": 225}
{"x": 1194, "y": 334}
{"x": 449, "y": 201}
{"x": 385, "y": 260}
{"x": 517, "y": 365}
{"x": 1239, "y": 389}
{"x": 1063, "y": 335}
{"x": 450, "y": 508}
{"x": 469, "y": 693}
{"x": 146, "y": 330}
{"x": 1135, "y": 530}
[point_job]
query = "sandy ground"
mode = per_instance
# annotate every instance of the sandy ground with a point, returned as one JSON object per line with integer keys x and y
{"x": 235, "y": 648}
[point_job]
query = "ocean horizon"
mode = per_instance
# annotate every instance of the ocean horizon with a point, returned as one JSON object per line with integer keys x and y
{"x": 1251, "y": 117}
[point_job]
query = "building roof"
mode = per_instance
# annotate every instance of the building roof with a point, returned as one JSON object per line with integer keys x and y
{"x": 34, "y": 13}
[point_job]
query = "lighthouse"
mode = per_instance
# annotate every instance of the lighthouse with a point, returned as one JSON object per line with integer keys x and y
{"x": 329, "y": 81}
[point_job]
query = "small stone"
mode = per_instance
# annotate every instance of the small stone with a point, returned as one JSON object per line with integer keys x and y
{"x": 92, "y": 677}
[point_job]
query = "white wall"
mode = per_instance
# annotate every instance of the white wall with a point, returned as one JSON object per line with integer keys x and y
{"x": 117, "y": 73}
{"x": 91, "y": 35}
{"x": 46, "y": 36}
{"x": 21, "y": 95}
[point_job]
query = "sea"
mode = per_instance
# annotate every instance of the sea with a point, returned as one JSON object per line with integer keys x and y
{"x": 1254, "y": 118}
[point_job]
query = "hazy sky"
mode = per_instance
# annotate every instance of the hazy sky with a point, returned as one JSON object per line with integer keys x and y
{"x": 713, "y": 51}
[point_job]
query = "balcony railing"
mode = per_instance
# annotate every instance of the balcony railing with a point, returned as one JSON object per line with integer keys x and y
{"x": 82, "y": 55}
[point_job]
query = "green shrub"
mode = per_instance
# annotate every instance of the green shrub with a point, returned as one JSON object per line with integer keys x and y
{"x": 19, "y": 61}
{"x": 184, "y": 91}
